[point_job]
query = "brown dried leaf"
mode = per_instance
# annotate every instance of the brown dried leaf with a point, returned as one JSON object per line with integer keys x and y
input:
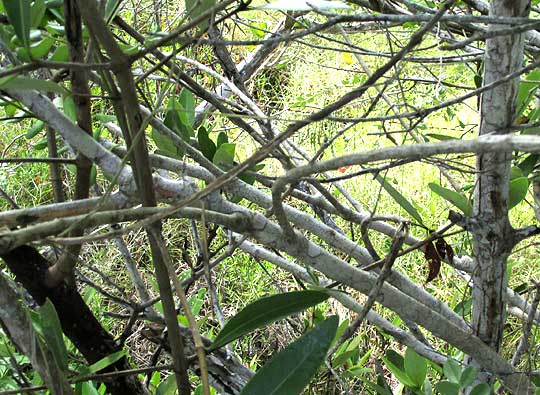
{"x": 434, "y": 261}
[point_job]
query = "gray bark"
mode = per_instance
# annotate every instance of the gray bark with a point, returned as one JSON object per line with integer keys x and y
{"x": 491, "y": 229}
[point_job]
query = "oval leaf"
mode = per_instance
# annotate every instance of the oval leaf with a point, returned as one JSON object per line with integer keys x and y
{"x": 224, "y": 156}
{"x": 291, "y": 370}
{"x": 467, "y": 376}
{"x": 400, "y": 199}
{"x": 265, "y": 311}
{"x": 207, "y": 146}
{"x": 481, "y": 389}
{"x": 457, "y": 199}
{"x": 452, "y": 370}
{"x": 447, "y": 388}
{"x": 518, "y": 190}
{"x": 415, "y": 367}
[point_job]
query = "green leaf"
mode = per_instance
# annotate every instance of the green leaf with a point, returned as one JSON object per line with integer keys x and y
{"x": 222, "y": 139}
{"x": 447, "y": 388}
{"x": 188, "y": 103}
{"x": 52, "y": 331}
{"x": 480, "y": 389}
{"x": 467, "y": 376}
{"x": 37, "y": 50}
{"x": 175, "y": 119}
{"x": 376, "y": 387}
{"x": 400, "y": 199}
{"x": 395, "y": 358}
{"x": 37, "y": 13}
{"x": 196, "y": 301}
{"x": 198, "y": 7}
{"x": 85, "y": 388}
{"x": 60, "y": 54}
{"x": 104, "y": 362}
{"x": 291, "y": 370}
{"x": 265, "y": 311}
{"x": 19, "y": 15}
{"x": 457, "y": 199}
{"x": 167, "y": 386}
{"x": 111, "y": 9}
{"x": 27, "y": 83}
{"x": 166, "y": 146}
{"x": 452, "y": 370}
{"x": 53, "y": 3}
{"x": 398, "y": 371}
{"x": 518, "y": 190}
{"x": 224, "y": 156}
{"x": 41, "y": 144}
{"x": 93, "y": 174}
{"x": 440, "y": 137}
{"x": 478, "y": 81}
{"x": 69, "y": 108}
{"x": 527, "y": 88}
{"x": 415, "y": 367}
{"x": 528, "y": 164}
{"x": 515, "y": 172}
{"x": 207, "y": 146}
{"x": 35, "y": 129}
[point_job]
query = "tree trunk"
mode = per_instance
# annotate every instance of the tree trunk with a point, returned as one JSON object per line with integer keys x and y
{"x": 78, "y": 322}
{"x": 490, "y": 227}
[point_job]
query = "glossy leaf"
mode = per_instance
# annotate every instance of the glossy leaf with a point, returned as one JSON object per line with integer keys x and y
{"x": 188, "y": 103}
{"x": 85, "y": 388}
{"x": 111, "y": 9}
{"x": 415, "y": 367}
{"x": 291, "y": 370}
{"x": 222, "y": 139}
{"x": 37, "y": 50}
{"x": 104, "y": 362}
{"x": 35, "y": 129}
{"x": 518, "y": 190}
{"x": 69, "y": 108}
{"x": 447, "y": 388}
{"x": 19, "y": 15}
{"x": 265, "y": 311}
{"x": 37, "y": 12}
{"x": 457, "y": 199}
{"x": 207, "y": 146}
{"x": 52, "y": 331}
{"x": 60, "y": 54}
{"x": 400, "y": 199}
